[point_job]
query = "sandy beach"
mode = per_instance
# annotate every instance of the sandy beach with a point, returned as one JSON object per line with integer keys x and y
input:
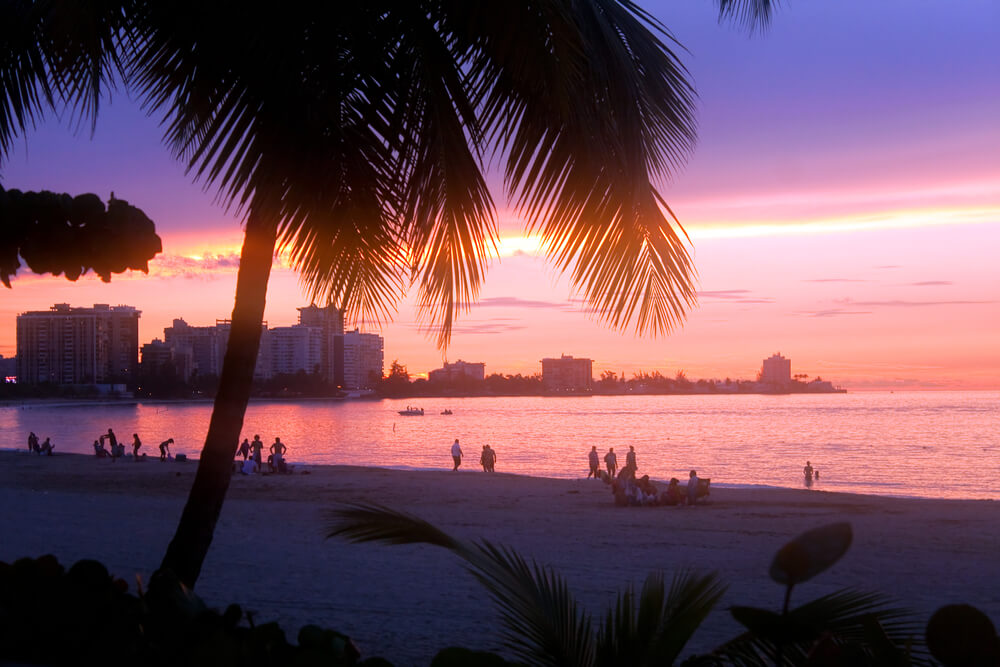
{"x": 405, "y": 603}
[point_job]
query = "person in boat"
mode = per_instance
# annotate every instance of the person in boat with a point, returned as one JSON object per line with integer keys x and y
{"x": 595, "y": 462}
{"x": 456, "y": 454}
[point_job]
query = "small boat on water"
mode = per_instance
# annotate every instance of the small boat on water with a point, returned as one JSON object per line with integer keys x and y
{"x": 412, "y": 412}
{"x": 446, "y": 412}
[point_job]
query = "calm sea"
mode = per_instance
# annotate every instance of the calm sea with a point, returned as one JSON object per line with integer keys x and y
{"x": 930, "y": 444}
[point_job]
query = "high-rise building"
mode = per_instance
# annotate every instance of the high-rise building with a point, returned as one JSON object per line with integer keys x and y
{"x": 205, "y": 348}
{"x": 363, "y": 360}
{"x": 331, "y": 321}
{"x": 776, "y": 370}
{"x": 66, "y": 345}
{"x": 567, "y": 374}
{"x": 457, "y": 370}
{"x": 296, "y": 348}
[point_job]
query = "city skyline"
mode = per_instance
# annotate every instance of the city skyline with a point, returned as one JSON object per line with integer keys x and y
{"x": 836, "y": 212}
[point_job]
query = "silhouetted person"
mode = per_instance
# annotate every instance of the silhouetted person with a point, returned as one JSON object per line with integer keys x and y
{"x": 611, "y": 461}
{"x": 46, "y": 448}
{"x": 692, "y": 487}
{"x": 630, "y": 458}
{"x": 136, "y": 444}
{"x": 595, "y": 462}
{"x": 32, "y": 442}
{"x": 244, "y": 449}
{"x": 257, "y": 447}
{"x": 808, "y": 472}
{"x": 165, "y": 448}
{"x": 277, "y": 457}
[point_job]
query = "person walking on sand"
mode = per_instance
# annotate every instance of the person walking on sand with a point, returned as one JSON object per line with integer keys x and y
{"x": 491, "y": 458}
{"x": 630, "y": 458}
{"x": 484, "y": 460}
{"x": 595, "y": 462}
{"x": 244, "y": 449}
{"x": 456, "y": 454}
{"x": 165, "y": 448}
{"x": 136, "y": 444}
{"x": 611, "y": 461}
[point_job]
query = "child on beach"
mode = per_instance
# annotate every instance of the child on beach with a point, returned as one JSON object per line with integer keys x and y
{"x": 165, "y": 448}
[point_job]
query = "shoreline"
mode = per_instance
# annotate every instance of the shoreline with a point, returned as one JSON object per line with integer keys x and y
{"x": 270, "y": 553}
{"x": 300, "y": 466}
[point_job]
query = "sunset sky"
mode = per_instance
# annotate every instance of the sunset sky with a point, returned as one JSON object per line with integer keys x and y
{"x": 843, "y": 203}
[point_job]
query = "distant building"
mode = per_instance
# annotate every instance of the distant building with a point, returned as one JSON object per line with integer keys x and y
{"x": 293, "y": 349}
{"x": 330, "y": 321}
{"x": 776, "y": 370}
{"x": 201, "y": 350}
{"x": 67, "y": 345}
{"x": 458, "y": 370}
{"x": 8, "y": 369}
{"x": 363, "y": 360}
{"x": 567, "y": 374}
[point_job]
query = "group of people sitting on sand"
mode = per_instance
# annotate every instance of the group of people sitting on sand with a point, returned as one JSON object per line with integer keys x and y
{"x": 116, "y": 450}
{"x": 40, "y": 449}
{"x": 630, "y": 490}
{"x": 253, "y": 452}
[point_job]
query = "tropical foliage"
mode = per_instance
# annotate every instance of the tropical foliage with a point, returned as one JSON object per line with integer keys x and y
{"x": 355, "y": 137}
{"x": 544, "y": 625}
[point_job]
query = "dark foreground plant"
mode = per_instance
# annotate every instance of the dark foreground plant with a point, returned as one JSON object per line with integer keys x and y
{"x": 84, "y": 616}
{"x": 543, "y": 624}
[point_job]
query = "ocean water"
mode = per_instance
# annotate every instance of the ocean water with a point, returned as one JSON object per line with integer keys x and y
{"x": 925, "y": 444}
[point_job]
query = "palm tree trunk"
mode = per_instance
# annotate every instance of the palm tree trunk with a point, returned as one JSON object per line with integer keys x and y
{"x": 188, "y": 549}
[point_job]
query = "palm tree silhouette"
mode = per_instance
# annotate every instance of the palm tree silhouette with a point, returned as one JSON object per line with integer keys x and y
{"x": 355, "y": 138}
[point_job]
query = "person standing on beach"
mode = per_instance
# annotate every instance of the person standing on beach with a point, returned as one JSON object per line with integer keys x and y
{"x": 456, "y": 454}
{"x": 491, "y": 458}
{"x": 244, "y": 449}
{"x": 595, "y": 462}
{"x": 32, "y": 442}
{"x": 112, "y": 444}
{"x": 630, "y": 458}
{"x": 136, "y": 444}
{"x": 611, "y": 461}
{"x": 257, "y": 446}
{"x": 277, "y": 450}
{"x": 484, "y": 459}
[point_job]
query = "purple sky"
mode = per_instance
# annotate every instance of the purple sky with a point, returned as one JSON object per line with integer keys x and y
{"x": 843, "y": 202}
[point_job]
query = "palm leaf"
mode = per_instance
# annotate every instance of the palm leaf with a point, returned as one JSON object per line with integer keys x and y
{"x": 846, "y": 617}
{"x": 656, "y": 632}
{"x": 542, "y": 622}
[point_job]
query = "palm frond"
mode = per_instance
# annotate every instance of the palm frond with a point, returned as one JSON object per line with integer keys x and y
{"x": 656, "y": 632}
{"x": 542, "y": 622}
{"x": 846, "y": 617}
{"x": 751, "y": 14}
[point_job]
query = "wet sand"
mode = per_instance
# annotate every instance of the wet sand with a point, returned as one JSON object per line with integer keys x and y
{"x": 406, "y": 602}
